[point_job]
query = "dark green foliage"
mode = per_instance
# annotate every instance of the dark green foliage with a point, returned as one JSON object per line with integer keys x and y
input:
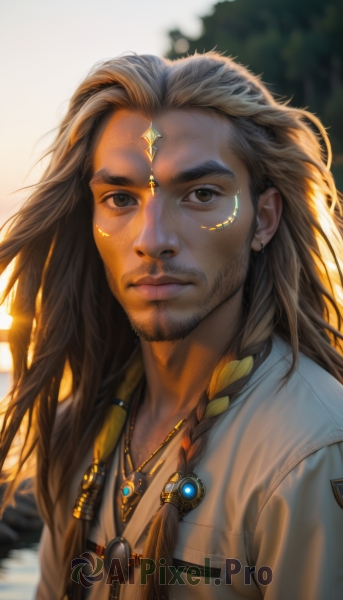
{"x": 295, "y": 45}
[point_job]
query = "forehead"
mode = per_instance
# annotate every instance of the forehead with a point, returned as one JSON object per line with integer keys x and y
{"x": 188, "y": 136}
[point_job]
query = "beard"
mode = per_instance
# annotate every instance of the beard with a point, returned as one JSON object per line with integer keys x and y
{"x": 161, "y": 327}
{"x": 165, "y": 330}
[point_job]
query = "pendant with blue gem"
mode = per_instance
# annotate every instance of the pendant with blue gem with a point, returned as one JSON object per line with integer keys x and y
{"x": 185, "y": 492}
{"x": 131, "y": 491}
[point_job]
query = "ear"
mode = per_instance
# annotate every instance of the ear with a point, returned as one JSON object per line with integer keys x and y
{"x": 269, "y": 209}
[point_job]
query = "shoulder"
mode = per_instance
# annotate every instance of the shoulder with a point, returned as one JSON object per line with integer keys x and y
{"x": 274, "y": 438}
{"x": 295, "y": 417}
{"x": 310, "y": 388}
{"x": 276, "y": 423}
{"x": 303, "y": 409}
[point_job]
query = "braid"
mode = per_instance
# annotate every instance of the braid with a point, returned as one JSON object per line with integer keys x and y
{"x": 74, "y": 545}
{"x": 192, "y": 442}
{"x": 163, "y": 532}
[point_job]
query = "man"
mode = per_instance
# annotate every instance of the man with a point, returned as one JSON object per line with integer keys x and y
{"x": 181, "y": 258}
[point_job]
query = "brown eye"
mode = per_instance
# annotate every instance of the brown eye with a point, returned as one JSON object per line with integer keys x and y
{"x": 204, "y": 195}
{"x": 120, "y": 200}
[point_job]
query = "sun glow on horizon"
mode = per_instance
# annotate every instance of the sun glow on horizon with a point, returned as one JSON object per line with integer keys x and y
{"x": 6, "y": 321}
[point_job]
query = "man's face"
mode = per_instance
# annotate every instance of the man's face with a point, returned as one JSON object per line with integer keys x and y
{"x": 166, "y": 262}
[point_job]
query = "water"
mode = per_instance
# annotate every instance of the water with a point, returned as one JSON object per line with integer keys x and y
{"x": 19, "y": 573}
{"x": 19, "y": 569}
{"x": 5, "y": 382}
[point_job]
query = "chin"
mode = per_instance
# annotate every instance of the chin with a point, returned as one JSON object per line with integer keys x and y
{"x": 165, "y": 330}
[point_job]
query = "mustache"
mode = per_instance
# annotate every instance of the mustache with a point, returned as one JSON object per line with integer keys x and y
{"x": 163, "y": 269}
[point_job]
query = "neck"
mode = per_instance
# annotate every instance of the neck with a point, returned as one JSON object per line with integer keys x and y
{"x": 178, "y": 372}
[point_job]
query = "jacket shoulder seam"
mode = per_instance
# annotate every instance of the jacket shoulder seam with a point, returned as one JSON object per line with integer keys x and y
{"x": 318, "y": 398}
{"x": 332, "y": 438}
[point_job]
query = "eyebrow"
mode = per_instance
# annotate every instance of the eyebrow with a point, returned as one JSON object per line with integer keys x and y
{"x": 210, "y": 167}
{"x": 104, "y": 177}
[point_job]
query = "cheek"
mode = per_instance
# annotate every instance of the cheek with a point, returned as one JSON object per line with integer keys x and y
{"x": 111, "y": 257}
{"x": 218, "y": 248}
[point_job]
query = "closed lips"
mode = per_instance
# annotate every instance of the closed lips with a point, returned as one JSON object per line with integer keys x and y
{"x": 159, "y": 281}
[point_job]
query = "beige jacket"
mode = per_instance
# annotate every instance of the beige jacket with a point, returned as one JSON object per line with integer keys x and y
{"x": 269, "y": 501}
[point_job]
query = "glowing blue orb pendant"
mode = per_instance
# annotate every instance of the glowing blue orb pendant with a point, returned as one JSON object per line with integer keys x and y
{"x": 185, "y": 492}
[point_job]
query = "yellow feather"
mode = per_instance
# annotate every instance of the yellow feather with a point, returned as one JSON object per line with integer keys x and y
{"x": 111, "y": 430}
{"x": 216, "y": 407}
{"x": 231, "y": 372}
{"x": 109, "y": 434}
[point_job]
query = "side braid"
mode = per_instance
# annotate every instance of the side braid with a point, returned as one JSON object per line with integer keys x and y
{"x": 163, "y": 532}
{"x": 193, "y": 437}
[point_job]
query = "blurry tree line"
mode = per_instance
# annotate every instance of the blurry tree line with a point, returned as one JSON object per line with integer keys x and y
{"x": 296, "y": 45}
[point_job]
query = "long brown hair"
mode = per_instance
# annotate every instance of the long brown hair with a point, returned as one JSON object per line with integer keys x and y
{"x": 64, "y": 313}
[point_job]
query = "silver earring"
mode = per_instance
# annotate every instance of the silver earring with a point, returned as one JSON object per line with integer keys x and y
{"x": 262, "y": 248}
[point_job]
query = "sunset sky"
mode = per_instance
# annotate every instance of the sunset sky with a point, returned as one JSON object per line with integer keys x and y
{"x": 47, "y": 47}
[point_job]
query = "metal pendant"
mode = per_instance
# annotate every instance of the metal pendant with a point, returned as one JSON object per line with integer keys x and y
{"x": 131, "y": 492}
{"x": 118, "y": 548}
{"x": 185, "y": 492}
{"x": 90, "y": 492}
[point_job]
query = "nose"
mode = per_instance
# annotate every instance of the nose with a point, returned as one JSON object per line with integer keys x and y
{"x": 157, "y": 236}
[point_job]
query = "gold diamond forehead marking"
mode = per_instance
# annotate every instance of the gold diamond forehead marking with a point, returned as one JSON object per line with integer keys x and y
{"x": 150, "y": 136}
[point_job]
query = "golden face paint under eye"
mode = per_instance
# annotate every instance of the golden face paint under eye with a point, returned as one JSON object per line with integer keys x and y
{"x": 102, "y": 232}
{"x": 228, "y": 220}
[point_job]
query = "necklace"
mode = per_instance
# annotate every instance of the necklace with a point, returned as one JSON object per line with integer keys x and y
{"x": 135, "y": 484}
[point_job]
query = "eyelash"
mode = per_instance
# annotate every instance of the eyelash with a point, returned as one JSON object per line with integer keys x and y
{"x": 103, "y": 201}
{"x": 216, "y": 193}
